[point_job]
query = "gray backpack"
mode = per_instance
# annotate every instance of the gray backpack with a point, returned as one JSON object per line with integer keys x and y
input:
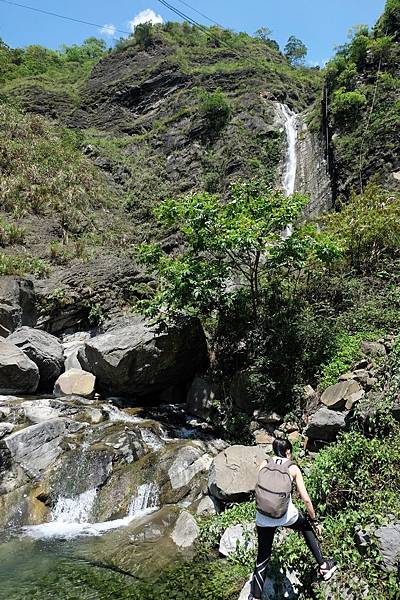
{"x": 273, "y": 488}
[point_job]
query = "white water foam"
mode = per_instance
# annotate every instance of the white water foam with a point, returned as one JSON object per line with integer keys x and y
{"x": 146, "y": 500}
{"x": 115, "y": 414}
{"x": 70, "y": 515}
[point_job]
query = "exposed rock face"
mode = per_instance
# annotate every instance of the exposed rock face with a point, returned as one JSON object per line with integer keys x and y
{"x": 325, "y": 424}
{"x": 278, "y": 584}
{"x": 186, "y": 530}
{"x": 373, "y": 348}
{"x": 17, "y": 303}
{"x": 206, "y": 507}
{"x": 233, "y": 473}
{"x": 18, "y": 374}
{"x": 389, "y": 542}
{"x": 139, "y": 360}
{"x": 36, "y": 447}
{"x": 336, "y": 396}
{"x": 201, "y": 396}
{"x": 237, "y": 536}
{"x": 312, "y": 177}
{"x": 43, "y": 349}
{"x": 75, "y": 382}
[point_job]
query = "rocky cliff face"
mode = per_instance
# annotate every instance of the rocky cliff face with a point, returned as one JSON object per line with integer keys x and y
{"x": 312, "y": 177}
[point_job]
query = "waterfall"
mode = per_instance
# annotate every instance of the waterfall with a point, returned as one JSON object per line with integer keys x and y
{"x": 145, "y": 499}
{"x": 290, "y": 168}
{"x": 290, "y": 124}
{"x": 74, "y": 510}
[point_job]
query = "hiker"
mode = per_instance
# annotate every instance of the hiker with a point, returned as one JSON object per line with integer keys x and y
{"x": 276, "y": 509}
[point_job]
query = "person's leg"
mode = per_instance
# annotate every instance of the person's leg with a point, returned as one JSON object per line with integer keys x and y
{"x": 302, "y": 524}
{"x": 265, "y": 540}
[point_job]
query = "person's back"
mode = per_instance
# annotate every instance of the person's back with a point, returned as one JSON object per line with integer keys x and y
{"x": 275, "y": 508}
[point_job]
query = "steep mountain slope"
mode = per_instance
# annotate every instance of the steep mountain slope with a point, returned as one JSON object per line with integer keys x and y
{"x": 363, "y": 91}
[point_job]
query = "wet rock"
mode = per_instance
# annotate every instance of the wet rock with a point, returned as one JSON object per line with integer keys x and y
{"x": 36, "y": 447}
{"x": 373, "y": 348}
{"x": 18, "y": 374}
{"x": 75, "y": 381}
{"x": 336, "y": 396}
{"x": 43, "y": 349}
{"x": 6, "y": 428}
{"x": 325, "y": 424}
{"x": 233, "y": 473}
{"x": 389, "y": 544}
{"x": 186, "y": 530}
{"x": 142, "y": 360}
{"x": 201, "y": 397}
{"x": 242, "y": 536}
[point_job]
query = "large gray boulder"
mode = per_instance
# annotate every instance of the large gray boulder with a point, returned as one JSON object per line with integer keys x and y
{"x": 37, "y": 447}
{"x": 186, "y": 530}
{"x": 325, "y": 424}
{"x": 18, "y": 373}
{"x": 233, "y": 472}
{"x": 235, "y": 537}
{"x": 336, "y": 396}
{"x": 43, "y": 349}
{"x": 389, "y": 545}
{"x": 143, "y": 360}
{"x": 17, "y": 303}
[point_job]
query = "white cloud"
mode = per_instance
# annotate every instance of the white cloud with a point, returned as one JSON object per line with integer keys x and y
{"x": 145, "y": 16}
{"x": 108, "y": 29}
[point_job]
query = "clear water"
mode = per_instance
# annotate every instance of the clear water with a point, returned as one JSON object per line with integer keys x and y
{"x": 58, "y": 570}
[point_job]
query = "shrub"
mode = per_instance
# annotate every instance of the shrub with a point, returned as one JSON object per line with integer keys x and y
{"x": 215, "y": 108}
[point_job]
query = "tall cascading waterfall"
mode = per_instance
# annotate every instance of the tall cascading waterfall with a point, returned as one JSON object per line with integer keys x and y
{"x": 290, "y": 169}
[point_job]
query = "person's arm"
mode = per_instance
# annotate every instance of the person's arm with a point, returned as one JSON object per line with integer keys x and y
{"x": 301, "y": 488}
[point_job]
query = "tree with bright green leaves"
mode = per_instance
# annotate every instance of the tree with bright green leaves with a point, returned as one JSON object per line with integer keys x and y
{"x": 264, "y": 33}
{"x": 227, "y": 246}
{"x": 295, "y": 51}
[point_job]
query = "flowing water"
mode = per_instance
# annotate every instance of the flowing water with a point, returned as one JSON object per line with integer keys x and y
{"x": 289, "y": 172}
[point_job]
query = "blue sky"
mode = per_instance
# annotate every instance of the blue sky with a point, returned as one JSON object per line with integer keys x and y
{"x": 321, "y": 24}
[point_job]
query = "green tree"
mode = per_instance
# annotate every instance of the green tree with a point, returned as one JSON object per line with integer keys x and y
{"x": 143, "y": 34}
{"x": 295, "y": 51}
{"x": 228, "y": 246}
{"x": 264, "y": 33}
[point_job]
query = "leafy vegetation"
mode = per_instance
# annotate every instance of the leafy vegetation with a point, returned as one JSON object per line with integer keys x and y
{"x": 295, "y": 51}
{"x": 364, "y": 112}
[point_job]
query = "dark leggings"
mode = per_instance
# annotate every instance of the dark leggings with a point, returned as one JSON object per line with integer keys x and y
{"x": 265, "y": 541}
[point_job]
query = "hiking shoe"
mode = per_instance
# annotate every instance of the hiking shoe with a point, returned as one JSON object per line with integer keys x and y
{"x": 328, "y": 568}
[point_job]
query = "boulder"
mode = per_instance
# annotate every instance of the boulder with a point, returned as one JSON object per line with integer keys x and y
{"x": 336, "y": 396}
{"x": 206, "y": 507}
{"x": 279, "y": 584}
{"x": 263, "y": 438}
{"x": 240, "y": 392}
{"x": 71, "y": 345}
{"x": 233, "y": 472}
{"x": 353, "y": 399}
{"x": 6, "y": 428}
{"x": 373, "y": 348}
{"x": 18, "y": 373}
{"x": 75, "y": 382}
{"x": 237, "y": 536}
{"x": 186, "y": 530}
{"x": 325, "y": 424}
{"x": 17, "y": 303}
{"x": 143, "y": 360}
{"x": 37, "y": 447}
{"x": 389, "y": 545}
{"x": 43, "y": 349}
{"x": 201, "y": 396}
{"x": 268, "y": 418}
